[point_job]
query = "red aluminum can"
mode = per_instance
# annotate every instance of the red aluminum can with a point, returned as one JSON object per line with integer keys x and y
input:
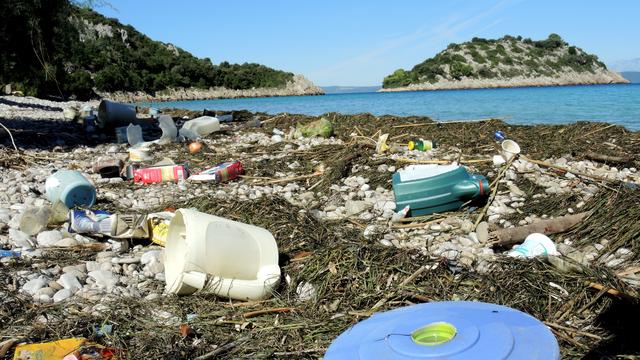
{"x": 222, "y": 172}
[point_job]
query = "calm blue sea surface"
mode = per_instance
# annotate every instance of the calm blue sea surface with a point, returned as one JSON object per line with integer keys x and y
{"x": 619, "y": 104}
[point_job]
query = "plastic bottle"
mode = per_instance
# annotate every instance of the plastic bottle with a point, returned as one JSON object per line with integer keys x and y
{"x": 34, "y": 220}
{"x": 421, "y": 145}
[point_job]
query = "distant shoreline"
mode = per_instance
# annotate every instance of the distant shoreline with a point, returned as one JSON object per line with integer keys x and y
{"x": 299, "y": 86}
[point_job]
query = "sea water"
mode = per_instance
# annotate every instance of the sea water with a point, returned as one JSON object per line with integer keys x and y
{"x": 618, "y": 104}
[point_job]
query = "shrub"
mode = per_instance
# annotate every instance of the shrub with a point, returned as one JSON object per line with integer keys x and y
{"x": 399, "y": 78}
{"x": 459, "y": 70}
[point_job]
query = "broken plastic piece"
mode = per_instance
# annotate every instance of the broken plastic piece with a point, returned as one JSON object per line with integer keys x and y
{"x": 169, "y": 130}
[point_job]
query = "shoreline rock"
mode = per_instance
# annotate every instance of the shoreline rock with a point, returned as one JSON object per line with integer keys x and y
{"x": 299, "y": 86}
{"x": 567, "y": 79}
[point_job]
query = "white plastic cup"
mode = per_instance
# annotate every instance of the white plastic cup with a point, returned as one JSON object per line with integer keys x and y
{"x": 535, "y": 244}
{"x": 510, "y": 149}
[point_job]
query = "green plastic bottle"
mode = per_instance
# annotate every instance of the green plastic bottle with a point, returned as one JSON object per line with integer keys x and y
{"x": 421, "y": 145}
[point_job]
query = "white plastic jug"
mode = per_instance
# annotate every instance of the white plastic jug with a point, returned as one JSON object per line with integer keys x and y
{"x": 216, "y": 255}
{"x": 200, "y": 127}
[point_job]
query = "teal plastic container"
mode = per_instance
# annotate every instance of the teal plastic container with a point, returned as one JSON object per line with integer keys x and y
{"x": 452, "y": 330}
{"x": 429, "y": 189}
{"x": 71, "y": 188}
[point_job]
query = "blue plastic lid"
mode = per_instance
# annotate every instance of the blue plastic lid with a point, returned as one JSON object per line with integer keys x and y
{"x": 447, "y": 330}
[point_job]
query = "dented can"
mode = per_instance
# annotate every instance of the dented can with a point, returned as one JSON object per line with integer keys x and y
{"x": 222, "y": 172}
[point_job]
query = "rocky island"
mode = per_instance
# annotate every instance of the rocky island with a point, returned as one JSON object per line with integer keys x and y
{"x": 506, "y": 62}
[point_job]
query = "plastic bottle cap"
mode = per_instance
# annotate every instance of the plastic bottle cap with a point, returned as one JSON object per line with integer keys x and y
{"x": 411, "y": 145}
{"x": 434, "y": 334}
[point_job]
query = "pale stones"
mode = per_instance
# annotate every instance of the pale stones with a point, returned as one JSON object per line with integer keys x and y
{"x": 49, "y": 238}
{"x": 151, "y": 256}
{"x": 69, "y": 282}
{"x": 516, "y": 190}
{"x": 371, "y": 230}
{"x": 482, "y": 232}
{"x": 306, "y": 196}
{"x": 54, "y": 285}
{"x": 466, "y": 226}
{"x": 46, "y": 291}
{"x": 19, "y": 239}
{"x": 386, "y": 242}
{"x": 383, "y": 205}
{"x": 104, "y": 279}
{"x": 62, "y": 295}
{"x": 152, "y": 296}
{"x": 354, "y": 207}
{"x": 66, "y": 242}
{"x": 92, "y": 266}
{"x": 31, "y": 287}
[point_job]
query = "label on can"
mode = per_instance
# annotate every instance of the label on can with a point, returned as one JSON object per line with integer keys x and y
{"x": 159, "y": 174}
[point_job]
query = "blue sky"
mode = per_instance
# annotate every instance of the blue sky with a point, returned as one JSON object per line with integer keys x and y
{"x": 335, "y": 42}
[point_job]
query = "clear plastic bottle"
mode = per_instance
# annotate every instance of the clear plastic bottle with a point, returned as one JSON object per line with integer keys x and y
{"x": 34, "y": 220}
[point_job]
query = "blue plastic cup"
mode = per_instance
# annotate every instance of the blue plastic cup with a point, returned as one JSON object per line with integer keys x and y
{"x": 71, "y": 188}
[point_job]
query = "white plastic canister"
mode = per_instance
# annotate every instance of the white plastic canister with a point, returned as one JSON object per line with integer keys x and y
{"x": 216, "y": 255}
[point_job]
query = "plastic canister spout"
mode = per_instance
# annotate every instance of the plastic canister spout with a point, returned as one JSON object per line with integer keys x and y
{"x": 477, "y": 186}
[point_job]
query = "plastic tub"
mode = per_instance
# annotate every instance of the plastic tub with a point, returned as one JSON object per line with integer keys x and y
{"x": 71, "y": 188}
{"x": 215, "y": 255}
{"x": 453, "y": 330}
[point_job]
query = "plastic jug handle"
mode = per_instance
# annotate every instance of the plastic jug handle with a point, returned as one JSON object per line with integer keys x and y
{"x": 194, "y": 279}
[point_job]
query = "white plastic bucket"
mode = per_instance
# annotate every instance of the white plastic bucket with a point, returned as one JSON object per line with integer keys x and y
{"x": 535, "y": 244}
{"x": 215, "y": 255}
{"x": 510, "y": 149}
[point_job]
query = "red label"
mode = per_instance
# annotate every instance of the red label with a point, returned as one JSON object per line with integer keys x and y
{"x": 159, "y": 174}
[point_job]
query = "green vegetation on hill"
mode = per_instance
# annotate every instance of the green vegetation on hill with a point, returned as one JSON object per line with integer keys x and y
{"x": 56, "y": 48}
{"x": 506, "y": 57}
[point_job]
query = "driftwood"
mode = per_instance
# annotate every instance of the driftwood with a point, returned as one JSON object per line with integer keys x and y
{"x": 511, "y": 236}
{"x": 608, "y": 158}
{"x": 6, "y": 345}
{"x": 614, "y": 292}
